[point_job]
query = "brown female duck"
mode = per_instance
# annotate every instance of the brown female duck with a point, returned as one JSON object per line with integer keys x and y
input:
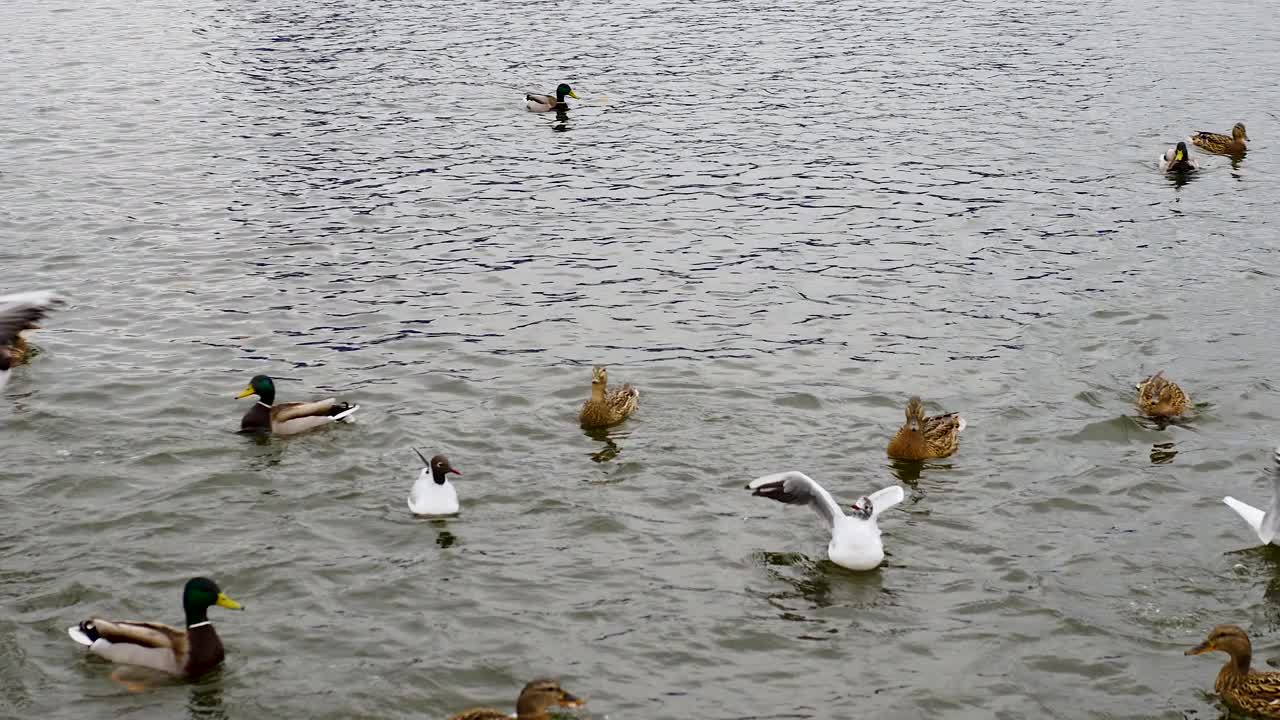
{"x": 535, "y": 700}
{"x": 1160, "y": 398}
{"x": 606, "y": 408}
{"x": 922, "y": 438}
{"x": 1219, "y": 144}
{"x": 1242, "y": 689}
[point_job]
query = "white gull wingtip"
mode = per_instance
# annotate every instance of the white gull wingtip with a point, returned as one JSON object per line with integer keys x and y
{"x": 346, "y": 413}
{"x": 37, "y": 298}
{"x": 885, "y": 498}
{"x": 1251, "y": 514}
{"x": 78, "y": 635}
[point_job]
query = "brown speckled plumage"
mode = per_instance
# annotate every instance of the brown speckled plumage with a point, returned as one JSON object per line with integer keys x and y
{"x": 606, "y": 408}
{"x": 1160, "y": 398}
{"x": 922, "y": 438}
{"x": 1219, "y": 144}
{"x": 1242, "y": 689}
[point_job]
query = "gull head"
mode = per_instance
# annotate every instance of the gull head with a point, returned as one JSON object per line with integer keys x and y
{"x": 862, "y": 508}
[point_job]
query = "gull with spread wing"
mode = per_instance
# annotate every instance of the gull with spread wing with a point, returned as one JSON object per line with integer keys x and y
{"x": 855, "y": 539}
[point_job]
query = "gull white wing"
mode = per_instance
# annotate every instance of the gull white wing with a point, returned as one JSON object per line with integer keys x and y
{"x": 796, "y": 488}
{"x": 885, "y": 498}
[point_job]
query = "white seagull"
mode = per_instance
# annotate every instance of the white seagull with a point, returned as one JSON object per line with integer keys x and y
{"x": 432, "y": 493}
{"x": 855, "y": 539}
{"x": 1264, "y": 523}
{"x": 17, "y": 313}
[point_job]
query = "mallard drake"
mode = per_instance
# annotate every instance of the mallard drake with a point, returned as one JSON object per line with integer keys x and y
{"x": 855, "y": 539}
{"x": 1177, "y": 160}
{"x": 922, "y": 438}
{"x": 287, "y": 418}
{"x": 1160, "y": 398}
{"x": 187, "y": 653}
{"x": 606, "y": 408}
{"x": 535, "y": 700}
{"x": 1222, "y": 144}
{"x": 19, "y": 313}
{"x": 547, "y": 103}
{"x": 432, "y": 493}
{"x": 1243, "y": 690}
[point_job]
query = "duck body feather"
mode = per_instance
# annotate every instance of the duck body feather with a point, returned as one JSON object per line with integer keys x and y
{"x": 295, "y": 417}
{"x": 605, "y": 408}
{"x": 924, "y": 438}
{"x": 18, "y": 313}
{"x": 186, "y": 653}
{"x": 1219, "y": 144}
{"x": 1159, "y": 397}
{"x": 534, "y": 102}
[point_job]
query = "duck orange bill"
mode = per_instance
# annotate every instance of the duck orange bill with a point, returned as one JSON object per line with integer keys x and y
{"x": 1203, "y": 647}
{"x": 246, "y": 392}
{"x": 571, "y": 701}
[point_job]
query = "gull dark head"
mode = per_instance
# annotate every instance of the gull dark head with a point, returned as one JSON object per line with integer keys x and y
{"x": 862, "y": 508}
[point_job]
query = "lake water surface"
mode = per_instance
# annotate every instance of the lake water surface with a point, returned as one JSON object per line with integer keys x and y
{"x": 779, "y": 220}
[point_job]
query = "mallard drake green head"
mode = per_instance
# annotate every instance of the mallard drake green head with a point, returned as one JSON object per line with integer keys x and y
{"x": 262, "y": 386}
{"x": 200, "y": 594}
{"x": 563, "y": 90}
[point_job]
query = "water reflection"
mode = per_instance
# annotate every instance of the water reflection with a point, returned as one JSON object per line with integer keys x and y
{"x": 821, "y": 582}
{"x": 610, "y": 449}
{"x": 1178, "y": 179}
{"x": 205, "y": 700}
{"x": 562, "y": 121}
{"x": 1162, "y": 453}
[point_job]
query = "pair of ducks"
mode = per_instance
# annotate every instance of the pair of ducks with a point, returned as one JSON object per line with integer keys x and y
{"x": 855, "y": 538}
{"x": 1177, "y": 159}
{"x": 191, "y": 652}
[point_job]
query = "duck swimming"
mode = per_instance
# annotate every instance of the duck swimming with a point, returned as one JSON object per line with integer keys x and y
{"x": 855, "y": 539}
{"x": 432, "y": 493}
{"x": 605, "y": 408}
{"x": 1177, "y": 160}
{"x": 1219, "y": 144}
{"x": 187, "y": 653}
{"x": 287, "y": 418}
{"x": 546, "y": 103}
{"x": 1243, "y": 689}
{"x": 923, "y": 438}
{"x": 1160, "y": 398}
{"x": 535, "y": 700}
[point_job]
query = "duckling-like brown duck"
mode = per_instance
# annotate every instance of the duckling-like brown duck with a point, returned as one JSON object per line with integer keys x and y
{"x": 1243, "y": 690}
{"x": 1158, "y": 397}
{"x": 606, "y": 408}
{"x": 536, "y": 699}
{"x": 1220, "y": 144}
{"x": 922, "y": 438}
